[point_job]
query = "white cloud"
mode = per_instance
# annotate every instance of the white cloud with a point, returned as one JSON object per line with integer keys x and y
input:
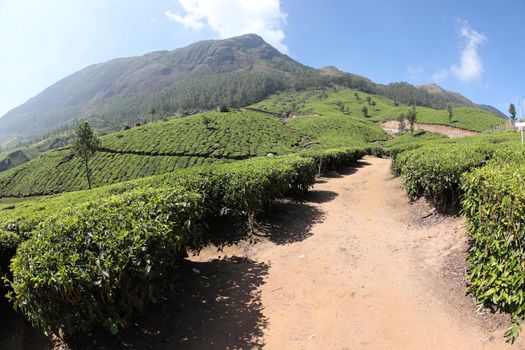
{"x": 414, "y": 73}
{"x": 470, "y": 66}
{"x": 234, "y": 17}
{"x": 189, "y": 21}
{"x": 440, "y": 75}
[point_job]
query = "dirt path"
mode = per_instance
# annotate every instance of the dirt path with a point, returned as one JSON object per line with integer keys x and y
{"x": 392, "y": 127}
{"x": 368, "y": 272}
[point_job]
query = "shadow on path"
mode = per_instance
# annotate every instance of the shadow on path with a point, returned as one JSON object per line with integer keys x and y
{"x": 16, "y": 332}
{"x": 216, "y": 306}
{"x": 292, "y": 221}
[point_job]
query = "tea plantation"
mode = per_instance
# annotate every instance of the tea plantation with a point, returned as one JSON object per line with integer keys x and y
{"x": 88, "y": 259}
{"x": 338, "y": 101}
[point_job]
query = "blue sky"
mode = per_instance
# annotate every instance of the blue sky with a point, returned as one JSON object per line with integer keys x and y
{"x": 473, "y": 47}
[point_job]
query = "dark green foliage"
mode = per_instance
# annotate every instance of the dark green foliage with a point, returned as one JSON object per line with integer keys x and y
{"x": 85, "y": 146}
{"x": 13, "y": 159}
{"x": 411, "y": 116}
{"x": 433, "y": 168}
{"x": 402, "y": 125}
{"x": 364, "y": 110}
{"x": 450, "y": 111}
{"x": 331, "y": 159}
{"x": 494, "y": 206}
{"x": 512, "y": 112}
{"x": 431, "y": 95}
{"x": 434, "y": 171}
{"x": 103, "y": 262}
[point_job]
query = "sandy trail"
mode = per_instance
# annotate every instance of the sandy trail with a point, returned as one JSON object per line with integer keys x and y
{"x": 369, "y": 273}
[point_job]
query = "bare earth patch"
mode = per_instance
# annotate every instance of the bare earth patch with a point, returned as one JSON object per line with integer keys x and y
{"x": 392, "y": 126}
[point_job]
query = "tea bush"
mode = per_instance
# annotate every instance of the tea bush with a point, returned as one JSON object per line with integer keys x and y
{"x": 435, "y": 171}
{"x": 103, "y": 261}
{"x": 99, "y": 262}
{"x": 494, "y": 207}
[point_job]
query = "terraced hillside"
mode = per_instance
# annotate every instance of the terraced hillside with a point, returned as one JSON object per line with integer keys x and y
{"x": 341, "y": 101}
{"x": 184, "y": 142}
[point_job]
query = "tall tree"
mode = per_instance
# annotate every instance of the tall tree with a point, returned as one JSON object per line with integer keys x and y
{"x": 364, "y": 110}
{"x": 356, "y": 96}
{"x": 402, "y": 126}
{"x": 512, "y": 112}
{"x": 412, "y": 118}
{"x": 85, "y": 146}
{"x": 450, "y": 111}
{"x": 369, "y": 99}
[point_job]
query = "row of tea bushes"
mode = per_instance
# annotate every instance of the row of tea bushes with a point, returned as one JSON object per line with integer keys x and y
{"x": 99, "y": 262}
{"x": 494, "y": 206}
{"x": 486, "y": 175}
{"x": 433, "y": 168}
{"x": 435, "y": 171}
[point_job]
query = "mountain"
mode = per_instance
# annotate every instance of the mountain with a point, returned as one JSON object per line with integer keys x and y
{"x": 451, "y": 97}
{"x": 124, "y": 88}
{"x": 236, "y": 72}
{"x": 458, "y": 99}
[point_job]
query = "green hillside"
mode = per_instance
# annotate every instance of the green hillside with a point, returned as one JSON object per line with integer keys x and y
{"x": 340, "y": 101}
{"x": 205, "y": 138}
{"x": 337, "y": 131}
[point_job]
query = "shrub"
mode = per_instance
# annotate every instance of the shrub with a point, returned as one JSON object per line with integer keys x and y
{"x": 104, "y": 261}
{"x": 245, "y": 189}
{"x": 330, "y": 159}
{"x": 494, "y": 207}
{"x": 434, "y": 171}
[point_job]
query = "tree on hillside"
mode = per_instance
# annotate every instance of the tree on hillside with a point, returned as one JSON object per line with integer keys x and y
{"x": 450, "y": 113}
{"x": 85, "y": 146}
{"x": 412, "y": 118}
{"x": 206, "y": 121}
{"x": 356, "y": 96}
{"x": 369, "y": 99}
{"x": 373, "y": 104}
{"x": 402, "y": 126}
{"x": 512, "y": 112}
{"x": 364, "y": 110}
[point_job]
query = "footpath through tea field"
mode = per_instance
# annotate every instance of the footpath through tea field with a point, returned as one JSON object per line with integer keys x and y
{"x": 367, "y": 270}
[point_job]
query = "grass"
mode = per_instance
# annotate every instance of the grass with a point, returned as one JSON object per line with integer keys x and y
{"x": 343, "y": 102}
{"x": 337, "y": 131}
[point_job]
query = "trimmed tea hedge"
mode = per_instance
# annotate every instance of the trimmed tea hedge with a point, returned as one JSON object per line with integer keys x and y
{"x": 99, "y": 262}
{"x": 104, "y": 261}
{"x": 434, "y": 171}
{"x": 494, "y": 206}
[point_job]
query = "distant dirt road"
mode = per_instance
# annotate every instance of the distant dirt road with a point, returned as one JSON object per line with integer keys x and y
{"x": 392, "y": 126}
{"x": 369, "y": 271}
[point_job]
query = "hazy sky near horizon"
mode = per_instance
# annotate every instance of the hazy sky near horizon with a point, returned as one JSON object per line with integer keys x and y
{"x": 474, "y": 47}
